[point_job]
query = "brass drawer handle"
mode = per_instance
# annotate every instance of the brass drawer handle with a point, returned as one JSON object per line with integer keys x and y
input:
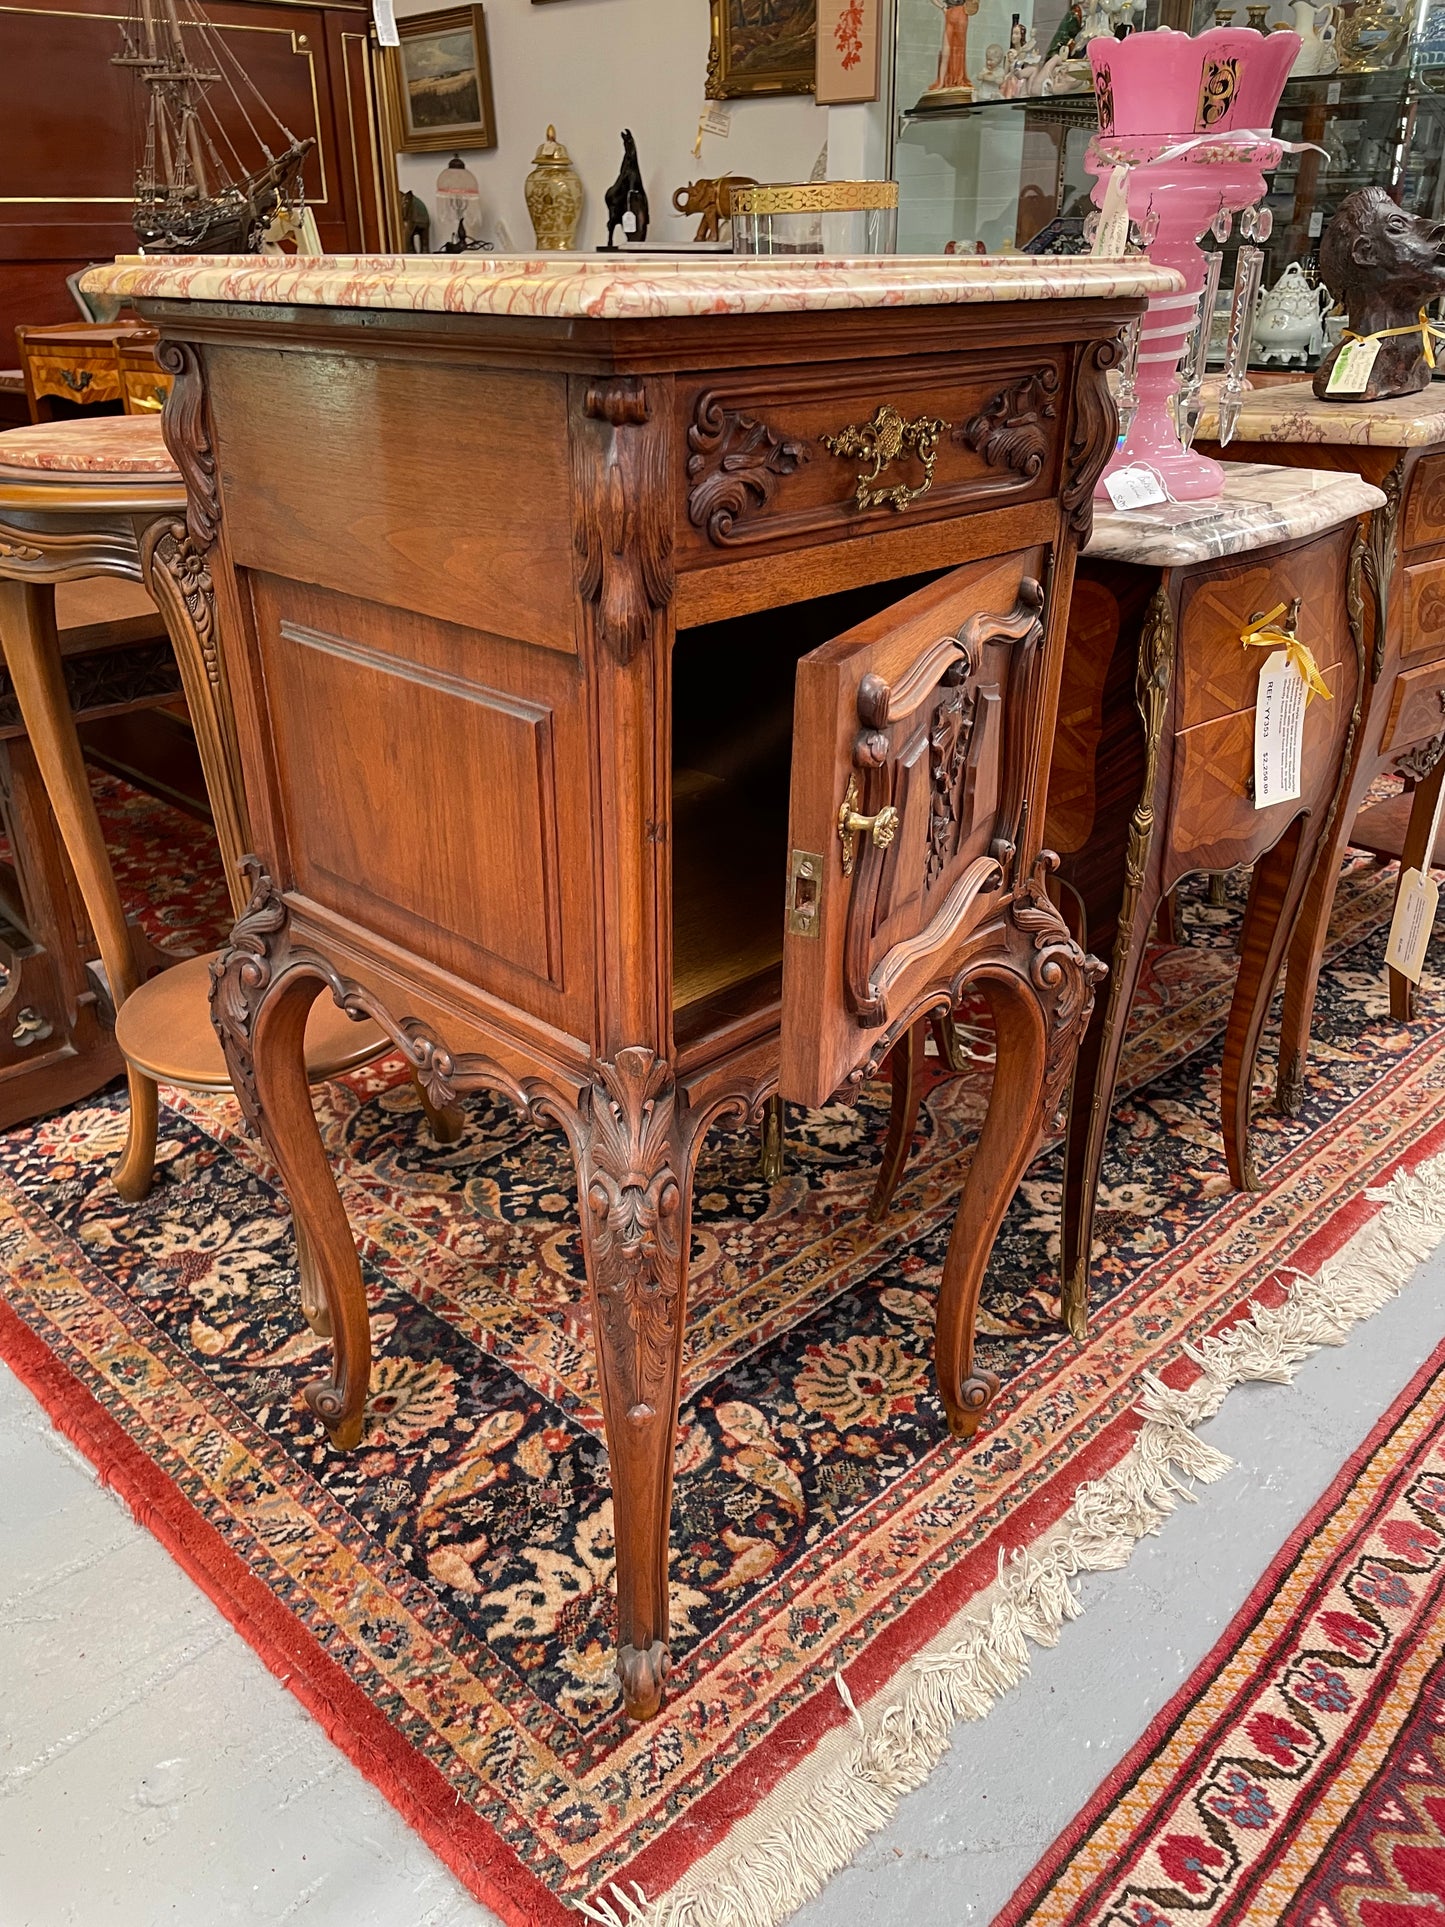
{"x": 882, "y": 828}
{"x": 74, "y": 381}
{"x": 885, "y": 440}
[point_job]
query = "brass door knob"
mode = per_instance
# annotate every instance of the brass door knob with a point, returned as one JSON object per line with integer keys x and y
{"x": 882, "y": 827}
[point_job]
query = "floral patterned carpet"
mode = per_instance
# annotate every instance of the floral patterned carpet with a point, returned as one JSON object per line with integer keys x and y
{"x": 1300, "y": 1775}
{"x": 442, "y": 1595}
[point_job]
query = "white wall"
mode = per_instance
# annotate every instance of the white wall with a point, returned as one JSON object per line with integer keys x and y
{"x": 596, "y": 66}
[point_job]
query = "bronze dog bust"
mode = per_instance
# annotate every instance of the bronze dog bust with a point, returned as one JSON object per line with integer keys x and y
{"x": 1384, "y": 265}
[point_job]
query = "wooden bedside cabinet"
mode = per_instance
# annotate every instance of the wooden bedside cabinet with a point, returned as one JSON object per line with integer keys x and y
{"x": 646, "y": 675}
{"x": 78, "y": 362}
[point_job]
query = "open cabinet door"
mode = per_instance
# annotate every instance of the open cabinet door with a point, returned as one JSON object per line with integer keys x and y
{"x": 909, "y": 757}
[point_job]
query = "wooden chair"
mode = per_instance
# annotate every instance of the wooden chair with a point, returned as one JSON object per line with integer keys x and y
{"x": 102, "y": 497}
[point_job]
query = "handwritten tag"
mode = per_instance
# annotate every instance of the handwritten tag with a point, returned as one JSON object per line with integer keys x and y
{"x": 1134, "y": 488}
{"x": 1112, "y": 239}
{"x": 1279, "y": 731}
{"x": 1412, "y": 924}
{"x": 1351, "y": 372}
{"x": 384, "y": 14}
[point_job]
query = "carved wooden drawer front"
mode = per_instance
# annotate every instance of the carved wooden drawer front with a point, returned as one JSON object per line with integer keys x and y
{"x": 1425, "y": 504}
{"x": 1218, "y": 675}
{"x": 1417, "y": 712}
{"x": 77, "y": 376}
{"x": 788, "y": 458}
{"x": 1212, "y": 814}
{"x": 1424, "y": 609}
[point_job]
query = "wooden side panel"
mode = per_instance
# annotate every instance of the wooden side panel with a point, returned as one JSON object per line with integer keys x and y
{"x": 1417, "y": 706}
{"x": 916, "y": 713}
{"x": 469, "y": 524}
{"x": 432, "y": 787}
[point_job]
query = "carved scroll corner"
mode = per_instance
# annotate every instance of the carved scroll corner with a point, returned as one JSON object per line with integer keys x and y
{"x": 1093, "y": 432}
{"x": 734, "y": 466}
{"x": 187, "y": 433}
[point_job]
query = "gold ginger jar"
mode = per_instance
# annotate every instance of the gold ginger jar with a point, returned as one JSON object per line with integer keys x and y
{"x": 553, "y": 192}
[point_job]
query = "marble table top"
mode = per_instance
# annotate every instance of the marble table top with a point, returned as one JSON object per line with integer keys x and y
{"x": 100, "y": 447}
{"x": 1259, "y": 506}
{"x": 1289, "y": 412}
{"x": 612, "y": 287}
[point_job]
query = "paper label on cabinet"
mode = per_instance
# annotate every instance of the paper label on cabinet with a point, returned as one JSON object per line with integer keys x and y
{"x": 385, "y": 15}
{"x": 1279, "y": 730}
{"x": 1135, "y": 487}
{"x": 1412, "y": 924}
{"x": 1332, "y": 93}
{"x": 1351, "y": 372}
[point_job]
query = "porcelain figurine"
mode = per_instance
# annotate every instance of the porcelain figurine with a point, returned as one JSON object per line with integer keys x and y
{"x": 1289, "y": 318}
{"x": 952, "y": 79}
{"x": 1315, "y": 26}
{"x": 1020, "y": 61}
{"x": 988, "y": 85}
{"x": 553, "y": 193}
{"x": 1097, "y": 24}
{"x": 1383, "y": 266}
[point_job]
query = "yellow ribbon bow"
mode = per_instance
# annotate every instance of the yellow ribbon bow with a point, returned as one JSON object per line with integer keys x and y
{"x": 1265, "y": 632}
{"x": 1428, "y": 332}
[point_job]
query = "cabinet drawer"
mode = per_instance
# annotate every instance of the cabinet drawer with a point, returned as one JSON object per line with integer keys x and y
{"x": 1218, "y": 675}
{"x": 76, "y": 376}
{"x": 785, "y": 456}
{"x": 1417, "y": 707}
{"x": 145, "y": 390}
{"x": 1213, "y": 822}
{"x": 1424, "y": 610}
{"x": 1425, "y": 504}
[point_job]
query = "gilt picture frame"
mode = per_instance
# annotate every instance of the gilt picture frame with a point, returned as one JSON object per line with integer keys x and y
{"x": 439, "y": 92}
{"x": 762, "y": 47}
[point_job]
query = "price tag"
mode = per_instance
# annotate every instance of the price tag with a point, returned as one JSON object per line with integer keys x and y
{"x": 1135, "y": 487}
{"x": 385, "y": 15}
{"x": 1412, "y": 924}
{"x": 717, "y": 118}
{"x": 1317, "y": 226}
{"x": 1332, "y": 93}
{"x": 1279, "y": 731}
{"x": 1112, "y": 240}
{"x": 1351, "y": 372}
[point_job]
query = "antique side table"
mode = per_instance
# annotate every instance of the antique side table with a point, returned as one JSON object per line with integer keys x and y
{"x": 79, "y": 362}
{"x": 1399, "y": 446}
{"x": 1153, "y": 769}
{"x": 645, "y": 675}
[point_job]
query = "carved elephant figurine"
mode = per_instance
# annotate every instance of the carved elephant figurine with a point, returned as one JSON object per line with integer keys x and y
{"x": 712, "y": 200}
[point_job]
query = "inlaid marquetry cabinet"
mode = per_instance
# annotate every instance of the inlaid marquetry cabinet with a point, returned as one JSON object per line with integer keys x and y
{"x": 646, "y": 685}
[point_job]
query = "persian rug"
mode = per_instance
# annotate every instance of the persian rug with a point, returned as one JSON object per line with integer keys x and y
{"x": 1300, "y": 1774}
{"x": 847, "y": 1582}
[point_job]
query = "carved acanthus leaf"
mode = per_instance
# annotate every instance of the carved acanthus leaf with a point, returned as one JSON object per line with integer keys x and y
{"x": 624, "y": 527}
{"x": 188, "y": 438}
{"x": 735, "y": 466}
{"x": 1061, "y": 973}
{"x": 1092, "y": 433}
{"x": 1010, "y": 432}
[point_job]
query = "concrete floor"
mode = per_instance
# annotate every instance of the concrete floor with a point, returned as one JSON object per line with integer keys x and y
{"x": 152, "y": 1770}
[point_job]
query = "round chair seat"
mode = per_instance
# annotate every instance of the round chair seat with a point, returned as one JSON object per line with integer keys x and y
{"x": 108, "y": 448}
{"x": 165, "y": 1030}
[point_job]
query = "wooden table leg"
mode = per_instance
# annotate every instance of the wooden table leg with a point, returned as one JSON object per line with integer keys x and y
{"x": 1278, "y": 884}
{"x": 1306, "y": 952}
{"x": 1415, "y": 855}
{"x": 635, "y": 1162}
{"x": 905, "y": 1064}
{"x": 32, "y": 655}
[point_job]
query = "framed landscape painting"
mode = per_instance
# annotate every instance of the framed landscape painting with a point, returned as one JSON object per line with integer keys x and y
{"x": 762, "y": 47}
{"x": 441, "y": 92}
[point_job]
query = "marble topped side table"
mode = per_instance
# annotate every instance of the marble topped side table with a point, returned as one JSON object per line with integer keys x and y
{"x": 1400, "y": 447}
{"x": 1153, "y": 765}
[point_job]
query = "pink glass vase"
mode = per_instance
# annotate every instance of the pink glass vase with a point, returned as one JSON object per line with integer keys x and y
{"x": 1190, "y": 113}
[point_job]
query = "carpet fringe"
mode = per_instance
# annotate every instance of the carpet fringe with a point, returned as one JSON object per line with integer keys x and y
{"x": 1036, "y": 1597}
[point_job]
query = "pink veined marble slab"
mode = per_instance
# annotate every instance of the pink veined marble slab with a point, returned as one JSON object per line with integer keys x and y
{"x": 1290, "y": 412}
{"x": 1260, "y": 505}
{"x": 114, "y": 445}
{"x": 615, "y": 288}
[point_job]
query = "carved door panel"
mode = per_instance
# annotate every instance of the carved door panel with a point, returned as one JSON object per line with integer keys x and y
{"x": 909, "y": 741}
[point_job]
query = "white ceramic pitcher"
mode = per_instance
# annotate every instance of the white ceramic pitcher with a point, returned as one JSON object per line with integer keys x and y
{"x": 1318, "y": 53}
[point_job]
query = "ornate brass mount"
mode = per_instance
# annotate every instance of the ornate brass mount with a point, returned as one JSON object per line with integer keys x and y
{"x": 885, "y": 440}
{"x": 882, "y": 828}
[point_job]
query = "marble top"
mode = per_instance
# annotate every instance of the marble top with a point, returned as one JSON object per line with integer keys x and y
{"x": 1259, "y": 506}
{"x": 612, "y": 287}
{"x": 1289, "y": 411}
{"x": 106, "y": 445}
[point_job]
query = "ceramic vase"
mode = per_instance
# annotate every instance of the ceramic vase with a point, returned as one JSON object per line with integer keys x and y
{"x": 553, "y": 192}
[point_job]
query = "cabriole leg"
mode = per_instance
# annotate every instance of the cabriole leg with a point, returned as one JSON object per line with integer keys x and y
{"x": 1275, "y": 890}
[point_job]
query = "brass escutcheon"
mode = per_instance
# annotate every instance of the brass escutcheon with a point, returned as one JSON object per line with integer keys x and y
{"x": 883, "y": 441}
{"x": 882, "y": 828}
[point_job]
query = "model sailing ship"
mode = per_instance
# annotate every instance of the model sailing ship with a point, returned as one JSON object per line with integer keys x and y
{"x": 194, "y": 193}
